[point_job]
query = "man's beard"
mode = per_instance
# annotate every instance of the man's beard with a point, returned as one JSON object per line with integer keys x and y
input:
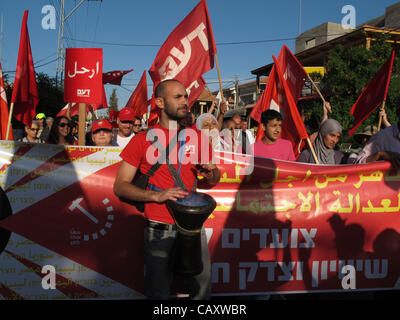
{"x": 174, "y": 115}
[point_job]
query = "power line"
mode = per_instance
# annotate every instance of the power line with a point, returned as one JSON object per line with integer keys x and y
{"x": 218, "y": 43}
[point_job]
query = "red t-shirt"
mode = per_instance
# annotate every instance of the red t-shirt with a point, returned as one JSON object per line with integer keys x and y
{"x": 141, "y": 154}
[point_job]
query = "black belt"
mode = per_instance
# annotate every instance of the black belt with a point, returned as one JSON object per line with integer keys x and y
{"x": 160, "y": 226}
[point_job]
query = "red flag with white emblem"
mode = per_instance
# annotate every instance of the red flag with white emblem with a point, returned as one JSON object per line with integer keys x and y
{"x": 4, "y": 114}
{"x": 188, "y": 52}
{"x": 274, "y": 97}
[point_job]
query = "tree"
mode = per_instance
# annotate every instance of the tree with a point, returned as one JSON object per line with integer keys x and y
{"x": 51, "y": 96}
{"x": 348, "y": 71}
{"x": 113, "y": 101}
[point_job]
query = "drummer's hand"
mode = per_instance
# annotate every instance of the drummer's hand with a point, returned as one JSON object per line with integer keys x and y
{"x": 206, "y": 170}
{"x": 170, "y": 194}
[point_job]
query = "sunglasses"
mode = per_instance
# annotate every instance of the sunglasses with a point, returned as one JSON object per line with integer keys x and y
{"x": 137, "y": 125}
{"x": 34, "y": 129}
{"x": 63, "y": 124}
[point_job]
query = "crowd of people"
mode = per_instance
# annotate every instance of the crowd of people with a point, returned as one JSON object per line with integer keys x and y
{"x": 233, "y": 135}
{"x": 171, "y": 182}
{"x": 64, "y": 130}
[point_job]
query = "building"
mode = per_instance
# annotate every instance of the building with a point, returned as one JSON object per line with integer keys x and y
{"x": 313, "y": 46}
{"x": 242, "y": 97}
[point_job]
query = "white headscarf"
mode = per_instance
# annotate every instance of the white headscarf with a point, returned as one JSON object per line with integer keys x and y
{"x": 324, "y": 154}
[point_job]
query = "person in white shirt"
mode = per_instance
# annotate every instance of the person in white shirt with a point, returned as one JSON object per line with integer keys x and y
{"x": 125, "y": 131}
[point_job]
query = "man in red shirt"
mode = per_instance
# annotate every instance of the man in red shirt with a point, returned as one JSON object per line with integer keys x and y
{"x": 160, "y": 230}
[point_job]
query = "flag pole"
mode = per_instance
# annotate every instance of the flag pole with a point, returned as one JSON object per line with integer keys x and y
{"x": 380, "y": 118}
{"x": 312, "y": 151}
{"x": 219, "y": 78}
{"x": 82, "y": 124}
{"x": 316, "y": 88}
{"x": 9, "y": 120}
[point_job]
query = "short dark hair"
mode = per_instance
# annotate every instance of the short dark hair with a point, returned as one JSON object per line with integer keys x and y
{"x": 270, "y": 114}
{"x": 160, "y": 88}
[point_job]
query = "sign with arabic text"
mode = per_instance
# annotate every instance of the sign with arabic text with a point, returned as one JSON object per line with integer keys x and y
{"x": 83, "y": 81}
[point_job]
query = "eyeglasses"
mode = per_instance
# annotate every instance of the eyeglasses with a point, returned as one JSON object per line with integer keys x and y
{"x": 63, "y": 124}
{"x": 34, "y": 129}
{"x": 137, "y": 125}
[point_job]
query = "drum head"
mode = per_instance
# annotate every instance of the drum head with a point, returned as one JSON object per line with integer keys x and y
{"x": 190, "y": 212}
{"x": 195, "y": 203}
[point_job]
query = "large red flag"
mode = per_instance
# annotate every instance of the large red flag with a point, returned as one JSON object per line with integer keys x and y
{"x": 138, "y": 101}
{"x": 4, "y": 115}
{"x": 295, "y": 77}
{"x": 188, "y": 52}
{"x": 278, "y": 96}
{"x": 293, "y": 128}
{"x": 373, "y": 95}
{"x": 114, "y": 77}
{"x": 194, "y": 91}
{"x": 25, "y": 94}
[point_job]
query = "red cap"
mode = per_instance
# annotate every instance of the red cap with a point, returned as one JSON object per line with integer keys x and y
{"x": 126, "y": 114}
{"x": 101, "y": 124}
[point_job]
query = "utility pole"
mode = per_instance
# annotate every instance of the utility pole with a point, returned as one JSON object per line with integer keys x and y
{"x": 300, "y": 14}
{"x": 60, "y": 48}
{"x": 1, "y": 35}
{"x": 236, "y": 91}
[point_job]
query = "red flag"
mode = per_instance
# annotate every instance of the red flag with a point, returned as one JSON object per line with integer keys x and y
{"x": 4, "y": 115}
{"x": 187, "y": 53}
{"x": 113, "y": 115}
{"x": 103, "y": 104}
{"x": 195, "y": 90}
{"x": 373, "y": 95}
{"x": 25, "y": 94}
{"x": 278, "y": 96}
{"x": 293, "y": 127}
{"x": 138, "y": 100}
{"x": 294, "y": 75}
{"x": 114, "y": 77}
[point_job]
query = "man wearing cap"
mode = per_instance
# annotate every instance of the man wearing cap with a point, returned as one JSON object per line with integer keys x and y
{"x": 44, "y": 130}
{"x": 125, "y": 121}
{"x": 102, "y": 134}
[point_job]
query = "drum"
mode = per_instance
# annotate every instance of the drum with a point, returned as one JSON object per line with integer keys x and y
{"x": 189, "y": 215}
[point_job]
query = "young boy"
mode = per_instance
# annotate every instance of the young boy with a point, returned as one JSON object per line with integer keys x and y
{"x": 271, "y": 146}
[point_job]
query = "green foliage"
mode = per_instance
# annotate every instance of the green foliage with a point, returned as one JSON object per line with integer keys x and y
{"x": 51, "y": 96}
{"x": 113, "y": 101}
{"x": 348, "y": 71}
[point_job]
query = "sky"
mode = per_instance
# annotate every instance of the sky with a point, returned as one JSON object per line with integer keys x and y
{"x": 130, "y": 32}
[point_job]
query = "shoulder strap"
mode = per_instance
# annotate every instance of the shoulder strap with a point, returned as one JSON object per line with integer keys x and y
{"x": 154, "y": 141}
{"x": 177, "y": 178}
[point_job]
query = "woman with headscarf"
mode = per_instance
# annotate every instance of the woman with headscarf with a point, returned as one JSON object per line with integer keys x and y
{"x": 208, "y": 124}
{"x": 328, "y": 136}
